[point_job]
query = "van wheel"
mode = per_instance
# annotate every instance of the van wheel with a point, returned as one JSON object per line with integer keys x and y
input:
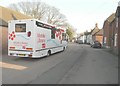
{"x": 49, "y": 53}
{"x": 63, "y": 48}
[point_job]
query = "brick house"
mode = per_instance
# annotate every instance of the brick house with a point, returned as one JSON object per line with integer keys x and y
{"x": 98, "y": 36}
{"x": 113, "y": 36}
{"x": 6, "y": 15}
{"x": 94, "y": 36}
{"x": 107, "y": 31}
{"x": 111, "y": 32}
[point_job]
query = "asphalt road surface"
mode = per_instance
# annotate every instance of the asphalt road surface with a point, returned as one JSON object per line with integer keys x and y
{"x": 78, "y": 64}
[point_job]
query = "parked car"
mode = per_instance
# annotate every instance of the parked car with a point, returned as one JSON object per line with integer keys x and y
{"x": 79, "y": 41}
{"x": 96, "y": 44}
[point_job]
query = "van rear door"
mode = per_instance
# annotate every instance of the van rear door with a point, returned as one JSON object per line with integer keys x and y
{"x": 20, "y": 38}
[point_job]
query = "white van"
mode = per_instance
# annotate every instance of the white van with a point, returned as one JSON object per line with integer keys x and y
{"x": 34, "y": 38}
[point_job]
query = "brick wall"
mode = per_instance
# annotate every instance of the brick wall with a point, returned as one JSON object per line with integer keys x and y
{"x": 99, "y": 38}
{"x": 106, "y": 35}
{"x": 113, "y": 36}
{"x": 4, "y": 38}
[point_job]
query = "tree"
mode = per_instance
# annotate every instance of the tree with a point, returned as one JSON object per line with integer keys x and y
{"x": 70, "y": 31}
{"x": 41, "y": 11}
{"x": 35, "y": 9}
{"x": 54, "y": 16}
{"x": 44, "y": 12}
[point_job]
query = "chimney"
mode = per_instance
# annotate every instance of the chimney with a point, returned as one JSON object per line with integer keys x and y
{"x": 118, "y": 9}
{"x": 119, "y": 3}
{"x": 96, "y": 25}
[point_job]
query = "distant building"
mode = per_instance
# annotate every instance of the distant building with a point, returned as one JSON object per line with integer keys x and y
{"x": 99, "y": 36}
{"x": 80, "y": 38}
{"x": 95, "y": 35}
{"x": 6, "y": 15}
{"x": 88, "y": 38}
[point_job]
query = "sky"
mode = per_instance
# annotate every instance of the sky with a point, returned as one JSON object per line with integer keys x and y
{"x": 81, "y": 14}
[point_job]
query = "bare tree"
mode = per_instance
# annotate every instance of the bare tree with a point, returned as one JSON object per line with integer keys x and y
{"x": 40, "y": 10}
{"x": 14, "y": 7}
{"x": 54, "y": 16}
{"x": 70, "y": 31}
{"x": 34, "y": 9}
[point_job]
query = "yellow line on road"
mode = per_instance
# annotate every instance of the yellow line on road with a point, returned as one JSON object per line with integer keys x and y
{"x": 12, "y": 66}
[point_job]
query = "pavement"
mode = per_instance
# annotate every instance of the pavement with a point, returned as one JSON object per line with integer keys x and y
{"x": 78, "y": 64}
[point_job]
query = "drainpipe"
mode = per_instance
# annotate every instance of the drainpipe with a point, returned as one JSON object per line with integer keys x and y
{"x": 118, "y": 27}
{"x": 118, "y": 21}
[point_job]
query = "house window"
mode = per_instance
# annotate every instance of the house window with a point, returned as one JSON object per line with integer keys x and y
{"x": 63, "y": 36}
{"x": 53, "y": 33}
{"x": 115, "y": 41}
{"x": 117, "y": 22}
{"x": 105, "y": 38}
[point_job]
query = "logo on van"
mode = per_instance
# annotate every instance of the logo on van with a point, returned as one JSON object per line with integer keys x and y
{"x": 12, "y": 35}
{"x": 59, "y": 33}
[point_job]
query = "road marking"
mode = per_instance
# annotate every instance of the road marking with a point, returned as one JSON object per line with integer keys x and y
{"x": 12, "y": 66}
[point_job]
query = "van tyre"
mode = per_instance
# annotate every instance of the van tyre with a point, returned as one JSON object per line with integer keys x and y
{"x": 49, "y": 53}
{"x": 63, "y": 48}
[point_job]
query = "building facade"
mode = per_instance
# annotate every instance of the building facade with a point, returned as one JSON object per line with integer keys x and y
{"x": 111, "y": 32}
{"x": 107, "y": 31}
{"x": 114, "y": 36}
{"x": 93, "y": 35}
{"x": 98, "y": 36}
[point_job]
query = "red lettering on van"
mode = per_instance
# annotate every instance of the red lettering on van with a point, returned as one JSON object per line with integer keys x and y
{"x": 40, "y": 38}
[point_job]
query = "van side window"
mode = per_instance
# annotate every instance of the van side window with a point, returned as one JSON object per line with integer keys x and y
{"x": 63, "y": 36}
{"x": 53, "y": 29}
{"x": 53, "y": 33}
{"x": 39, "y": 24}
{"x": 20, "y": 27}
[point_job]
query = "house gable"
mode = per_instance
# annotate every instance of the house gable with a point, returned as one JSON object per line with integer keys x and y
{"x": 7, "y": 14}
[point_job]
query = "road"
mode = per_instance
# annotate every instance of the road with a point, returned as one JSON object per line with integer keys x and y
{"x": 78, "y": 64}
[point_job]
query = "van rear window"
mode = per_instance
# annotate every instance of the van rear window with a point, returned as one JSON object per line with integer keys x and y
{"x": 20, "y": 27}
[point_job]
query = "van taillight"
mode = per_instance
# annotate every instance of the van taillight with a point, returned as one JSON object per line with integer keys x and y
{"x": 29, "y": 34}
{"x": 30, "y": 55}
{"x": 12, "y": 47}
{"x": 29, "y": 49}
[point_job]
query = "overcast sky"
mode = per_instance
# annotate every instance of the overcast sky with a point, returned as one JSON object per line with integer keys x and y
{"x": 82, "y": 14}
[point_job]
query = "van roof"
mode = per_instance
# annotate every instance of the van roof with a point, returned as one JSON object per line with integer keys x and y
{"x": 33, "y": 20}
